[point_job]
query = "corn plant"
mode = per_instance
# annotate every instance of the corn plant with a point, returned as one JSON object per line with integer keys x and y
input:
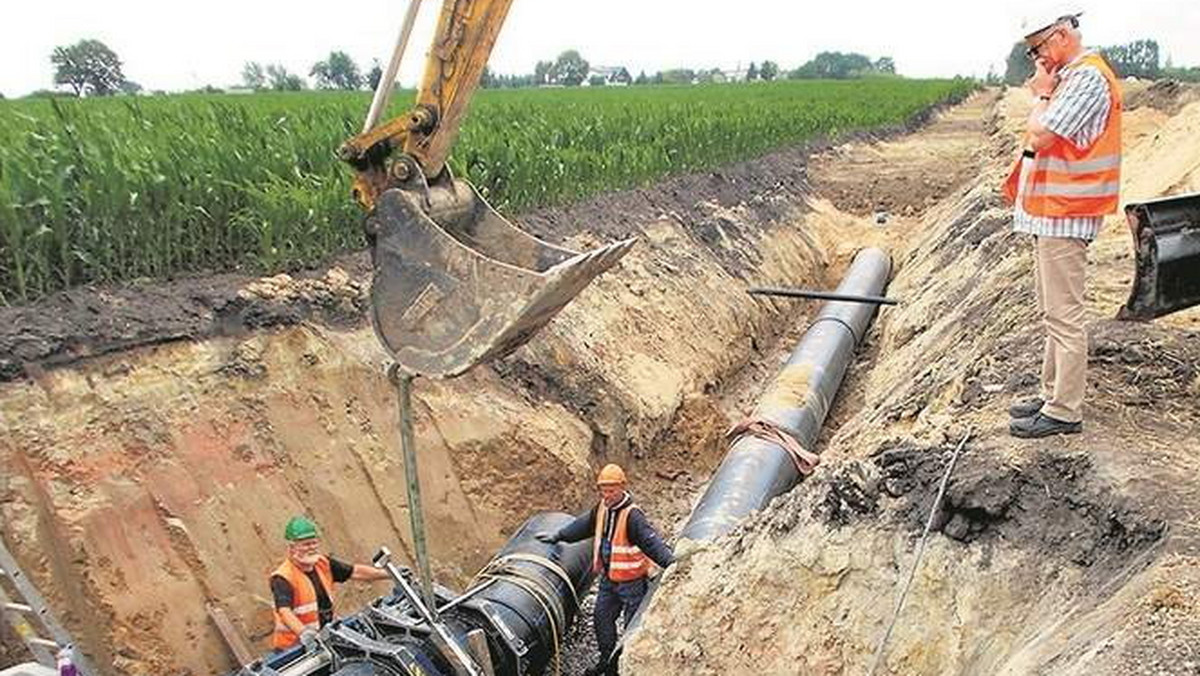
{"x": 123, "y": 188}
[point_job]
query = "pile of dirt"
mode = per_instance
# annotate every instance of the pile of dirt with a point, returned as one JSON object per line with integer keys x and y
{"x": 1169, "y": 96}
{"x": 806, "y": 586}
{"x": 1075, "y": 555}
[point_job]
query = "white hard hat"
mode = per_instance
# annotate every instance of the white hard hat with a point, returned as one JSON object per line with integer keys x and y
{"x": 1036, "y": 23}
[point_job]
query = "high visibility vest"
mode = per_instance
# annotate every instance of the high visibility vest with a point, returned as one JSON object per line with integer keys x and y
{"x": 304, "y": 600}
{"x": 1067, "y": 181}
{"x": 626, "y": 562}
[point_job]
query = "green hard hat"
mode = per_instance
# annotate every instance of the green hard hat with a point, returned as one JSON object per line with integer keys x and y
{"x": 300, "y": 528}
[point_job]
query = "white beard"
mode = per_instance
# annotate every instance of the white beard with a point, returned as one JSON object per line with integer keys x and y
{"x": 308, "y": 560}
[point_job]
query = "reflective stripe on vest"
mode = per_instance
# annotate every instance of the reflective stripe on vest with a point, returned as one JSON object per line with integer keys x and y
{"x": 1079, "y": 166}
{"x": 304, "y": 600}
{"x": 626, "y": 562}
{"x": 1064, "y": 181}
{"x": 1094, "y": 190}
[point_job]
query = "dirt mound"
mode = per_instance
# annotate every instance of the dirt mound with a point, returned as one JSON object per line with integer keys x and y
{"x": 817, "y": 554}
{"x": 1076, "y": 555}
{"x": 87, "y": 322}
{"x": 1169, "y": 96}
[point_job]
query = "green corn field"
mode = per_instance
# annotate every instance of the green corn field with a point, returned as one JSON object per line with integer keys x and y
{"x": 149, "y": 187}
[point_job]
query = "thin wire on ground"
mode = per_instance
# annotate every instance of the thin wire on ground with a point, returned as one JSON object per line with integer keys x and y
{"x": 912, "y": 572}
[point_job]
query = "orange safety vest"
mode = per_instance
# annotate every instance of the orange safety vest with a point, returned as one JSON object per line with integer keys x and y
{"x": 627, "y": 562}
{"x": 304, "y": 600}
{"x": 1068, "y": 181}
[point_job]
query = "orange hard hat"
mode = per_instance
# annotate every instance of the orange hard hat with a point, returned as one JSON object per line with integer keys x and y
{"x": 611, "y": 474}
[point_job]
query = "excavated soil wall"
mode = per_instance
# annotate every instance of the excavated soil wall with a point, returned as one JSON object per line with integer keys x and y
{"x": 156, "y": 438}
{"x": 1072, "y": 555}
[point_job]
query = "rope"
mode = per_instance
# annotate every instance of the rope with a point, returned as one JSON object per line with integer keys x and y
{"x": 912, "y": 573}
{"x": 806, "y": 461}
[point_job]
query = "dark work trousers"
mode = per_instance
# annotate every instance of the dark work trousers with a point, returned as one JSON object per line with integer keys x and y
{"x": 611, "y": 599}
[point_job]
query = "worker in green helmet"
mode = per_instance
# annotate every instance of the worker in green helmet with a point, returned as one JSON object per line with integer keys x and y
{"x": 303, "y": 584}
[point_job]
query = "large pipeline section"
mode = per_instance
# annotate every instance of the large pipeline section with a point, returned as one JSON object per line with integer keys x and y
{"x": 756, "y": 470}
{"x": 522, "y": 608}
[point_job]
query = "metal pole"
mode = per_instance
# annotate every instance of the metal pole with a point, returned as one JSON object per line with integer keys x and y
{"x": 383, "y": 90}
{"x": 820, "y": 295}
{"x": 446, "y": 642}
{"x": 403, "y": 383}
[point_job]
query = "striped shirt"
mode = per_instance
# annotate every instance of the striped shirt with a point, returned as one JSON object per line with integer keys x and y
{"x": 1078, "y": 113}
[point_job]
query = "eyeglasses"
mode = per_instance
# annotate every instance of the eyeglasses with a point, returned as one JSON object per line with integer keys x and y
{"x": 1073, "y": 21}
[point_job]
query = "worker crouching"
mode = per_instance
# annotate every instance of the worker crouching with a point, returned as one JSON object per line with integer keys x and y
{"x": 624, "y": 548}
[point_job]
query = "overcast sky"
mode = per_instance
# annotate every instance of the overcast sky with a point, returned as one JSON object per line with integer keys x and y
{"x": 180, "y": 45}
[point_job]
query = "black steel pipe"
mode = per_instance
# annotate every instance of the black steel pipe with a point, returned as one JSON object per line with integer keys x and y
{"x": 523, "y": 611}
{"x": 540, "y": 628}
{"x": 754, "y": 470}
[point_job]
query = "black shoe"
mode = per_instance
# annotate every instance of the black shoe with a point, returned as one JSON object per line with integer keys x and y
{"x": 1026, "y": 408}
{"x": 1041, "y": 425}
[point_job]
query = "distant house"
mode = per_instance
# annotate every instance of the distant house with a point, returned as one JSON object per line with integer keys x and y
{"x": 614, "y": 76}
{"x": 735, "y": 75}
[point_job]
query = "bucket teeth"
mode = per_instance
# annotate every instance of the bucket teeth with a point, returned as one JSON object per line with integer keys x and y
{"x": 446, "y": 299}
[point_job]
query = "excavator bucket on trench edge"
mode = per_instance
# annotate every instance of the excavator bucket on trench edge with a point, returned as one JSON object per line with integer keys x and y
{"x": 456, "y": 285}
{"x": 1166, "y": 242}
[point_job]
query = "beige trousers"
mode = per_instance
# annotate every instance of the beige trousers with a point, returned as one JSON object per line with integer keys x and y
{"x": 1058, "y": 280}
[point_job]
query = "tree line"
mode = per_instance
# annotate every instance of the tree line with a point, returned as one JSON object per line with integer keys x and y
{"x": 571, "y": 69}
{"x": 1139, "y": 58}
{"x": 91, "y": 68}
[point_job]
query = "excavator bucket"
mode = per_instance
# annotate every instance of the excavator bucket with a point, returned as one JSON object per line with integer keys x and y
{"x": 457, "y": 285}
{"x": 1166, "y": 240}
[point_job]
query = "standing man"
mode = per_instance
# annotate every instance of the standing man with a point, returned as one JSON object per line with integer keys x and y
{"x": 1067, "y": 180}
{"x": 623, "y": 546}
{"x": 303, "y": 584}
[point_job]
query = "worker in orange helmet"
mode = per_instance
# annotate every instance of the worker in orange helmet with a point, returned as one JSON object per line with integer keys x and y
{"x": 624, "y": 544}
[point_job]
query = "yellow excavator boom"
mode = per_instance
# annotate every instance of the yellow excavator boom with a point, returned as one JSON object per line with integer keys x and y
{"x": 455, "y": 284}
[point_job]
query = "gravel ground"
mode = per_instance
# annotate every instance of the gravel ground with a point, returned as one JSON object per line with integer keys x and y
{"x": 579, "y": 647}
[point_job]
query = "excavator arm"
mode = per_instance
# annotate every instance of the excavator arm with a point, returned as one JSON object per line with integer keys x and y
{"x": 455, "y": 284}
{"x": 463, "y": 41}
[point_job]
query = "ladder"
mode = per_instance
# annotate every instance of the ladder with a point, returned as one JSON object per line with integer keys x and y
{"x": 25, "y": 607}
